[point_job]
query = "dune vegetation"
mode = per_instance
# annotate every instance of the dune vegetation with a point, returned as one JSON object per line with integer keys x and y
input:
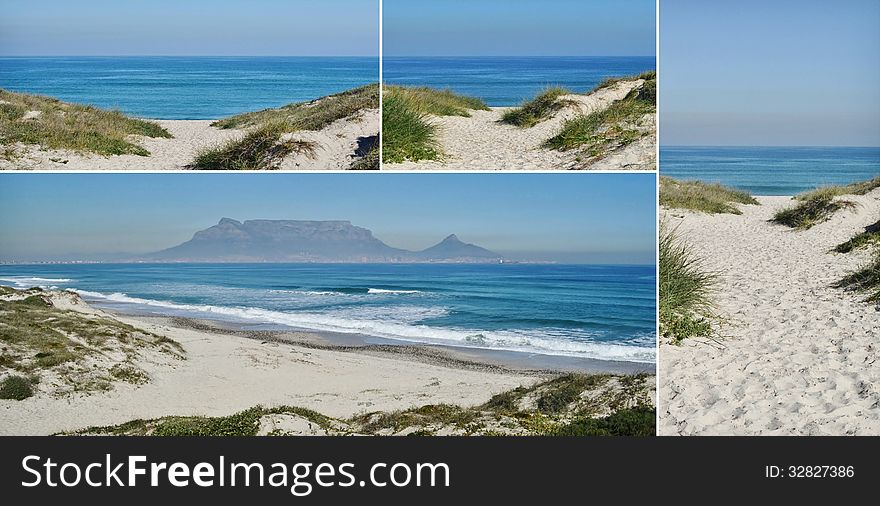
{"x": 53, "y": 124}
{"x": 685, "y": 290}
{"x": 572, "y": 405}
{"x": 703, "y": 197}
{"x": 866, "y": 279}
{"x": 407, "y": 131}
{"x": 870, "y": 236}
{"x": 613, "y": 127}
{"x": 79, "y": 353}
{"x": 266, "y": 144}
{"x": 811, "y": 209}
{"x": 533, "y": 111}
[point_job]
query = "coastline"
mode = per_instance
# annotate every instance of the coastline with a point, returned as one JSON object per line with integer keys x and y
{"x": 228, "y": 370}
{"x": 798, "y": 352}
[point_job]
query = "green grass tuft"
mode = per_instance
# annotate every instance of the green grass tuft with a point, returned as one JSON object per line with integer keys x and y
{"x": 685, "y": 290}
{"x": 866, "y": 279}
{"x": 816, "y": 207}
{"x": 611, "y": 128}
{"x": 533, "y": 111}
{"x": 703, "y": 197}
{"x": 407, "y": 133}
{"x": 60, "y": 125}
{"x": 16, "y": 388}
{"x": 870, "y": 236}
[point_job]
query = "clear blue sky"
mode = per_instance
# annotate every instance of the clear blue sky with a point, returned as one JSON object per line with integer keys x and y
{"x": 190, "y": 27}
{"x": 519, "y": 27}
{"x": 757, "y": 72}
{"x": 604, "y": 218}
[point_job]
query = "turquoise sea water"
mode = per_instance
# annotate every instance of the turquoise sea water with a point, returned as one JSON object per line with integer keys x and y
{"x": 771, "y": 170}
{"x": 507, "y": 81}
{"x": 186, "y": 87}
{"x": 591, "y": 311}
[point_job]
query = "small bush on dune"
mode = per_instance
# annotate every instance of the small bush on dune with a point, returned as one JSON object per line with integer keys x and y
{"x": 704, "y": 197}
{"x": 639, "y": 421}
{"x": 857, "y": 188}
{"x": 685, "y": 290}
{"x": 16, "y": 388}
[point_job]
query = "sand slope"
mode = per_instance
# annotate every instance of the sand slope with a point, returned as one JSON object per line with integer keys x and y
{"x": 225, "y": 373}
{"x": 797, "y": 356}
{"x": 336, "y": 146}
{"x": 481, "y": 142}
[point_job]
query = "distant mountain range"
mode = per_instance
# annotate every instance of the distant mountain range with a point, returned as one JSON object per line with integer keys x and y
{"x": 309, "y": 241}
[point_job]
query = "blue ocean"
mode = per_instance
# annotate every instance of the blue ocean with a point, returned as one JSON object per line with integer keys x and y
{"x": 590, "y": 311}
{"x": 508, "y": 81}
{"x": 771, "y": 170}
{"x": 186, "y": 87}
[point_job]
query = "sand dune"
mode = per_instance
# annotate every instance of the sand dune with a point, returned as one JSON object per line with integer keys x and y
{"x": 481, "y": 142}
{"x": 335, "y": 148}
{"x": 224, "y": 373}
{"x": 796, "y": 356}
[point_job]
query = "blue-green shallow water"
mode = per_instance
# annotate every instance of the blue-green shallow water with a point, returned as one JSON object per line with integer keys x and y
{"x": 186, "y": 87}
{"x": 507, "y": 81}
{"x": 588, "y": 311}
{"x": 771, "y": 170}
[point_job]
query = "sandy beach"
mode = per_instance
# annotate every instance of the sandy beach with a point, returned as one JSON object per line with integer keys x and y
{"x": 226, "y": 370}
{"x": 482, "y": 142}
{"x": 336, "y": 146}
{"x": 795, "y": 356}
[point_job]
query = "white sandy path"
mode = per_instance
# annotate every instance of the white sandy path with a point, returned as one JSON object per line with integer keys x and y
{"x": 335, "y": 146}
{"x": 225, "y": 374}
{"x": 482, "y": 143}
{"x": 798, "y": 356}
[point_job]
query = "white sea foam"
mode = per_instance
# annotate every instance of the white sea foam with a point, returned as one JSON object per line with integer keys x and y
{"x": 400, "y": 324}
{"x": 30, "y": 282}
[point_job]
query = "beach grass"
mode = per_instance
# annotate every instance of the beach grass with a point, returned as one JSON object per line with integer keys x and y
{"x": 703, "y": 197}
{"x": 533, "y": 111}
{"x": 685, "y": 290}
{"x": 608, "y": 82}
{"x": 811, "y": 209}
{"x": 407, "y": 134}
{"x": 571, "y": 404}
{"x": 260, "y": 149}
{"x": 607, "y": 129}
{"x": 857, "y": 188}
{"x": 265, "y": 145}
{"x": 15, "y": 387}
{"x": 426, "y": 100}
{"x": 866, "y": 279}
{"x": 870, "y": 236}
{"x": 53, "y": 124}
{"x": 311, "y": 115}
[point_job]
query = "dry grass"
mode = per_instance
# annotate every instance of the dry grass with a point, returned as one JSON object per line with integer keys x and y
{"x": 53, "y": 124}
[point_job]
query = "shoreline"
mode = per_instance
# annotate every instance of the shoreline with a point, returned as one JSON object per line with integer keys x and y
{"x": 226, "y": 371}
